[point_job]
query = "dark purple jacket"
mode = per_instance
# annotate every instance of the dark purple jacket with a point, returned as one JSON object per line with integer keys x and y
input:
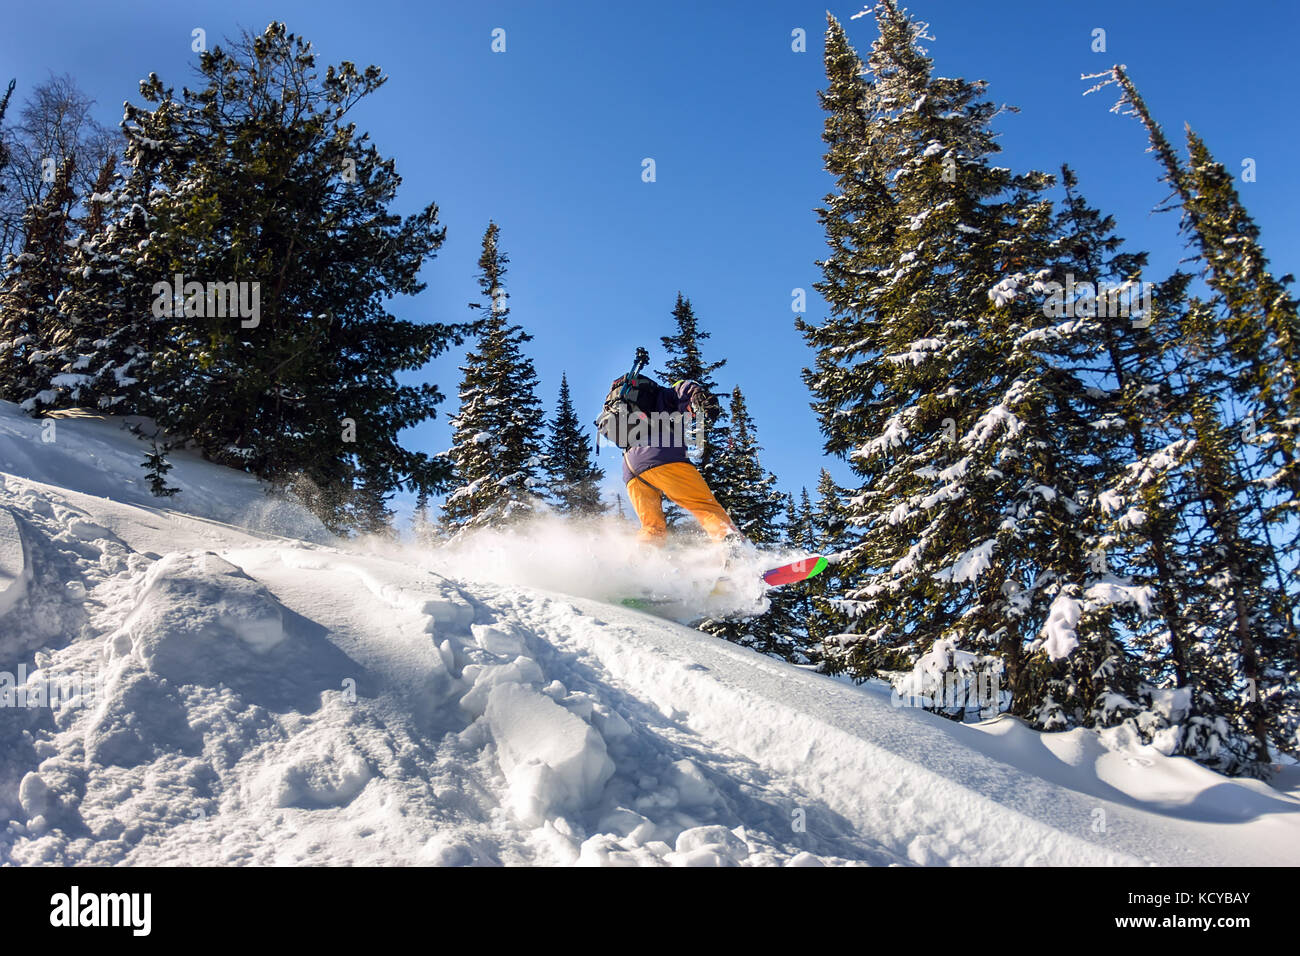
{"x": 672, "y": 443}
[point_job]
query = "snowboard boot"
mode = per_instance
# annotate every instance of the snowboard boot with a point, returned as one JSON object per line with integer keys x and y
{"x": 738, "y": 549}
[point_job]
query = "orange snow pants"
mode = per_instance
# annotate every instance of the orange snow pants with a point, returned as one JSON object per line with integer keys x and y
{"x": 682, "y": 483}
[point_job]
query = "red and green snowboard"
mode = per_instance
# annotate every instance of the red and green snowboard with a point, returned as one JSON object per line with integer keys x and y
{"x": 791, "y": 573}
{"x": 800, "y": 570}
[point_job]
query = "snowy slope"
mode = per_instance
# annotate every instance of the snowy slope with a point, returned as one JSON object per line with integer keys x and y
{"x": 252, "y": 691}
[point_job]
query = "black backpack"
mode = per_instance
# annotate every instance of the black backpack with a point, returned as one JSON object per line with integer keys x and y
{"x": 621, "y": 414}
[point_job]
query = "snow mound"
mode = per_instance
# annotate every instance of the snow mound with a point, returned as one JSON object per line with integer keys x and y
{"x": 200, "y": 619}
{"x": 708, "y": 846}
{"x": 553, "y": 761}
{"x": 13, "y": 563}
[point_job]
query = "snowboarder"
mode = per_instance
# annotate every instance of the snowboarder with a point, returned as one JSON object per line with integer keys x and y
{"x": 651, "y": 424}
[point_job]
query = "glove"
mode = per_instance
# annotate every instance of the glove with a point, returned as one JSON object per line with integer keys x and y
{"x": 703, "y": 404}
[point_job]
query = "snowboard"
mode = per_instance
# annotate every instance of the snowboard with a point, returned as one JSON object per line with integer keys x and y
{"x": 800, "y": 570}
{"x": 791, "y": 573}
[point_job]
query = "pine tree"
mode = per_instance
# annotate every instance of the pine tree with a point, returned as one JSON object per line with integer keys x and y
{"x": 781, "y": 630}
{"x": 832, "y": 521}
{"x": 686, "y": 363}
{"x": 497, "y": 446}
{"x": 1260, "y": 324}
{"x": 4, "y": 150}
{"x": 835, "y": 537}
{"x": 1258, "y": 318}
{"x": 574, "y": 478}
{"x": 1233, "y": 352}
{"x": 30, "y": 312}
{"x": 423, "y": 529}
{"x": 740, "y": 483}
{"x": 258, "y": 180}
{"x": 800, "y": 534}
{"x": 796, "y": 609}
{"x": 113, "y": 333}
{"x": 1138, "y": 450}
{"x": 822, "y": 529}
{"x": 156, "y": 467}
{"x": 71, "y": 342}
{"x": 804, "y": 533}
{"x": 938, "y": 378}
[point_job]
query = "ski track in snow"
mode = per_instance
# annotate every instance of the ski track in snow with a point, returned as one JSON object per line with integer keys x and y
{"x": 264, "y": 699}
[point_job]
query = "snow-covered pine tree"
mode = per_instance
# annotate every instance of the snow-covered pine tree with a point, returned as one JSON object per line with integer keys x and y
{"x": 1200, "y": 703}
{"x": 1258, "y": 317}
{"x": 1237, "y": 372}
{"x": 803, "y": 533}
{"x": 781, "y": 630}
{"x": 859, "y": 216}
{"x": 937, "y": 376}
{"x": 800, "y": 530}
{"x": 834, "y": 536}
{"x": 740, "y": 483}
{"x": 72, "y": 342}
{"x": 260, "y": 184}
{"x": 686, "y": 362}
{"x": 801, "y": 524}
{"x": 423, "y": 529}
{"x": 1259, "y": 320}
{"x": 832, "y": 516}
{"x": 369, "y": 509}
{"x": 1236, "y": 610}
{"x": 30, "y": 311}
{"x": 114, "y": 263}
{"x": 574, "y": 479}
{"x": 1260, "y": 323}
{"x": 55, "y": 122}
{"x": 1138, "y": 454}
{"x": 498, "y": 441}
{"x": 796, "y": 604}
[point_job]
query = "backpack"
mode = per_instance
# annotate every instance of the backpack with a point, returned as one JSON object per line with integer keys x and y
{"x": 621, "y": 412}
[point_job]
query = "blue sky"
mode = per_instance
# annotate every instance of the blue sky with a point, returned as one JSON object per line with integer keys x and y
{"x": 548, "y": 139}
